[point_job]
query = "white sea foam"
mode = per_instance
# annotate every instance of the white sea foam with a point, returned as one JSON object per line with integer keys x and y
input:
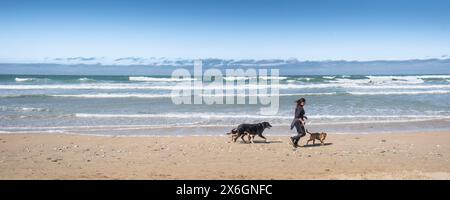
{"x": 249, "y": 116}
{"x": 401, "y": 92}
{"x": 141, "y": 95}
{"x": 85, "y": 79}
{"x": 273, "y": 78}
{"x": 304, "y": 79}
{"x": 263, "y": 95}
{"x": 328, "y": 77}
{"x": 179, "y": 115}
{"x": 378, "y": 121}
{"x": 32, "y": 132}
{"x": 84, "y": 86}
{"x": 23, "y": 109}
{"x": 31, "y": 79}
{"x": 113, "y": 95}
{"x": 349, "y": 82}
{"x": 125, "y": 86}
{"x": 399, "y": 86}
{"x": 395, "y": 79}
{"x": 379, "y": 80}
{"x": 406, "y": 79}
{"x": 434, "y": 76}
{"x": 376, "y": 116}
{"x": 235, "y": 78}
{"x": 30, "y": 109}
{"x": 153, "y": 79}
{"x": 23, "y": 79}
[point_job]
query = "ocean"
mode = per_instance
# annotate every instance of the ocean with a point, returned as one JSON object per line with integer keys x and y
{"x": 142, "y": 106}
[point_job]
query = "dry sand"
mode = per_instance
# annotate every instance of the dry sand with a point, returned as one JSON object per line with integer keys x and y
{"x": 375, "y": 156}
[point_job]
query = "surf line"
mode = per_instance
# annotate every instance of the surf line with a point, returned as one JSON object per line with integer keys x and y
{"x": 238, "y": 84}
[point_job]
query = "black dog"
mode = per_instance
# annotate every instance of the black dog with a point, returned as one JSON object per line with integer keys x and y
{"x": 251, "y": 130}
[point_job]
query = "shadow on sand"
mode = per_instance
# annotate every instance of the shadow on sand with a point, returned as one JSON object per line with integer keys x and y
{"x": 317, "y": 145}
{"x": 262, "y": 142}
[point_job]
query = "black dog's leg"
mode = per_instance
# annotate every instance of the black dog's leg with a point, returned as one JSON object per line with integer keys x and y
{"x": 242, "y": 137}
{"x": 265, "y": 139}
{"x": 235, "y": 137}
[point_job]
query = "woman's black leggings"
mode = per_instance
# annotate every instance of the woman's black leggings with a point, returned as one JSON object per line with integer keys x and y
{"x": 300, "y": 132}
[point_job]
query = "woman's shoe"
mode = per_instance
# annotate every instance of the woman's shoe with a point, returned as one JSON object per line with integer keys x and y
{"x": 293, "y": 142}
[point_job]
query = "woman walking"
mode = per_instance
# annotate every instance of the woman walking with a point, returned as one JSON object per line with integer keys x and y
{"x": 299, "y": 121}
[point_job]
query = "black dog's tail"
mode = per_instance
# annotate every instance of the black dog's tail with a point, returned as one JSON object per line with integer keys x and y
{"x": 233, "y": 131}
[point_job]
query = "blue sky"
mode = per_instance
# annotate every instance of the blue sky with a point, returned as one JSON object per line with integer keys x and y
{"x": 307, "y": 30}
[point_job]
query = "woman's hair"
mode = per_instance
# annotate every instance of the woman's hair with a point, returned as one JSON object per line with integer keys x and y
{"x": 300, "y": 101}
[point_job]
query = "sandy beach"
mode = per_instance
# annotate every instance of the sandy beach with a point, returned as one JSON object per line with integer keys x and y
{"x": 370, "y": 156}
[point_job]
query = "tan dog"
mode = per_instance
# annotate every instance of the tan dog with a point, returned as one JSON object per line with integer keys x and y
{"x": 316, "y": 136}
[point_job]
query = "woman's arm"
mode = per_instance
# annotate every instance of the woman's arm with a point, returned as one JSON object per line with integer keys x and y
{"x": 301, "y": 121}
